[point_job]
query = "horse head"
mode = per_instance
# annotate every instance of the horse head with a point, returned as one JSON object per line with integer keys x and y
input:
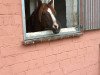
{"x": 47, "y": 17}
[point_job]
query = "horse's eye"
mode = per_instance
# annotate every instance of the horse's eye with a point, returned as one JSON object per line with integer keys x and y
{"x": 47, "y": 13}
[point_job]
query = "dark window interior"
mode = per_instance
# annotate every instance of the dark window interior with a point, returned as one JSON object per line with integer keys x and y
{"x": 60, "y": 7}
{"x": 27, "y": 11}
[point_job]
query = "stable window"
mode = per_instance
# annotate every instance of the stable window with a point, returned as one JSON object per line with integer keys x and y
{"x": 67, "y": 14}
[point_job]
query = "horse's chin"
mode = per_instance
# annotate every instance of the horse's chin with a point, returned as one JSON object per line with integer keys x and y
{"x": 56, "y": 31}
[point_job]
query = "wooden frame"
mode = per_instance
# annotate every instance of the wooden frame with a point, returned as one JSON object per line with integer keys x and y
{"x": 48, "y": 35}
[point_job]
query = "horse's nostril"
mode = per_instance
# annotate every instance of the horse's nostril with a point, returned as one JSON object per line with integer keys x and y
{"x": 55, "y": 26}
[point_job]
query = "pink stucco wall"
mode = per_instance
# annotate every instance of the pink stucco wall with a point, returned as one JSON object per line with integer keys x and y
{"x": 71, "y": 56}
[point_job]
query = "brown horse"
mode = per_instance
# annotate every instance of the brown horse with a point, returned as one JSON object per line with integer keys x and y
{"x": 43, "y": 18}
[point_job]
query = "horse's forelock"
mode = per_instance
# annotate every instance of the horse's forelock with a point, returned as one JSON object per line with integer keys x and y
{"x": 52, "y": 9}
{"x": 44, "y": 8}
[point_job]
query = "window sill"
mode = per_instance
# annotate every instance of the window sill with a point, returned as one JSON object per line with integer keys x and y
{"x": 48, "y": 35}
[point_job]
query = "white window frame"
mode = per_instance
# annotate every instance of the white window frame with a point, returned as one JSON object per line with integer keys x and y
{"x": 47, "y": 35}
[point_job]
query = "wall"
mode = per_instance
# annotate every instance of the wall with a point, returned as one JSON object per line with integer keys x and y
{"x": 72, "y": 56}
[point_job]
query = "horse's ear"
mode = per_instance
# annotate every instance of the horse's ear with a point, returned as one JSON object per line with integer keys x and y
{"x": 39, "y": 2}
{"x": 50, "y": 3}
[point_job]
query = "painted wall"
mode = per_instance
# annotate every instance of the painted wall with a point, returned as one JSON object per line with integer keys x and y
{"x": 72, "y": 56}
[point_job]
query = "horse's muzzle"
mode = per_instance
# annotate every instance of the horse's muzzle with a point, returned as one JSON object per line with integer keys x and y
{"x": 56, "y": 31}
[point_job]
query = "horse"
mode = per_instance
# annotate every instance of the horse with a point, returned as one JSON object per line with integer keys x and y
{"x": 43, "y": 18}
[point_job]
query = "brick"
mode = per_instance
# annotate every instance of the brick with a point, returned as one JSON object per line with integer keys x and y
{"x": 9, "y": 31}
{"x": 56, "y": 43}
{"x": 18, "y": 20}
{"x": 69, "y": 44}
{"x": 49, "y": 51}
{"x": 93, "y": 70}
{"x": 1, "y": 20}
{"x": 3, "y": 9}
{"x": 50, "y": 59}
{"x": 77, "y": 39}
{"x": 1, "y": 1}
{"x": 65, "y": 65}
{"x": 47, "y": 73}
{"x": 44, "y": 69}
{"x": 75, "y": 73}
{"x": 72, "y": 54}
{"x": 55, "y": 49}
{"x": 83, "y": 71}
{"x": 64, "y": 48}
{"x": 90, "y": 50}
{"x": 11, "y": 1}
{"x": 6, "y": 71}
{"x": 78, "y": 72}
{"x": 10, "y": 9}
{"x": 82, "y": 52}
{"x": 70, "y": 65}
{"x": 67, "y": 41}
{"x": 80, "y": 59}
{"x": 6, "y": 51}
{"x": 13, "y": 50}
{"x": 62, "y": 56}
{"x": 42, "y": 46}
{"x": 8, "y": 20}
{"x": 76, "y": 45}
{"x": 91, "y": 59}
{"x": 10, "y": 60}
{"x": 41, "y": 53}
{"x": 57, "y": 72}
{"x": 6, "y": 9}
{"x": 2, "y": 62}
{"x": 5, "y": 31}
{"x": 7, "y": 41}
{"x": 16, "y": 9}
{"x": 21, "y": 73}
{"x": 32, "y": 64}
{"x": 90, "y": 43}
{"x": 85, "y": 44}
{"x": 20, "y": 67}
{"x": 77, "y": 62}
{"x": 29, "y": 72}
{"x": 81, "y": 45}
{"x": 36, "y": 63}
{"x": 23, "y": 57}
{"x": 50, "y": 67}
{"x": 96, "y": 41}
{"x": 35, "y": 54}
{"x": 39, "y": 62}
{"x": 34, "y": 72}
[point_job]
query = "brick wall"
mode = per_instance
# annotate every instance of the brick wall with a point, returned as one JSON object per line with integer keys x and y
{"x": 72, "y": 56}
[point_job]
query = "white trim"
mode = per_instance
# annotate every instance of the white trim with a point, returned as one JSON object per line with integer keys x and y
{"x": 49, "y": 32}
{"x": 23, "y": 19}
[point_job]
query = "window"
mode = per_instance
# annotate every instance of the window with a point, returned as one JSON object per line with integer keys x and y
{"x": 67, "y": 14}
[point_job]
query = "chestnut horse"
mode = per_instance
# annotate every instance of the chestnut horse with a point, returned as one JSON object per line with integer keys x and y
{"x": 43, "y": 18}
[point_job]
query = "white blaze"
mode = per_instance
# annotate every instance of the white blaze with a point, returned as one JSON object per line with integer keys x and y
{"x": 53, "y": 18}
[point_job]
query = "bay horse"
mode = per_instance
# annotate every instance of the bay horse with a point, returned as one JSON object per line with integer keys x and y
{"x": 43, "y": 18}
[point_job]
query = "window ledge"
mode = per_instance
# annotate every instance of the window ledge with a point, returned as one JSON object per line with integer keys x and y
{"x": 48, "y": 35}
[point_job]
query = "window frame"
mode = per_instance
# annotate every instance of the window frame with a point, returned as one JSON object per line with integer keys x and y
{"x": 48, "y": 35}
